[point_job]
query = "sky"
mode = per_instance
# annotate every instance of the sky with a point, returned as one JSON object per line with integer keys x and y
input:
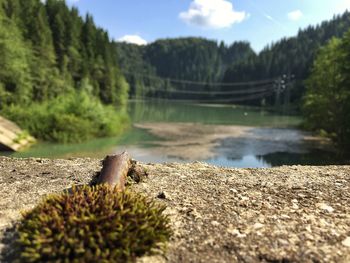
{"x": 260, "y": 22}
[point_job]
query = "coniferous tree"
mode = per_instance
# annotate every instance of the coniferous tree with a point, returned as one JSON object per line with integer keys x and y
{"x": 50, "y": 56}
{"x": 291, "y": 56}
{"x": 15, "y": 79}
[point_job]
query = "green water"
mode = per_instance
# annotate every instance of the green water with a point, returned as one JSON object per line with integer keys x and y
{"x": 96, "y": 148}
{"x": 244, "y": 152}
{"x": 161, "y": 111}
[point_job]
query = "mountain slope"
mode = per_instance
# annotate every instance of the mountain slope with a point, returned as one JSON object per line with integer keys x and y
{"x": 198, "y": 59}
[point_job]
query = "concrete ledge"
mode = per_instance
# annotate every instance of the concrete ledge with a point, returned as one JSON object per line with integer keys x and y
{"x": 12, "y": 138}
{"x": 286, "y": 214}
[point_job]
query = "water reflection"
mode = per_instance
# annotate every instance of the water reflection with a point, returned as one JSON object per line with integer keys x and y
{"x": 313, "y": 157}
{"x": 160, "y": 111}
{"x": 248, "y": 161}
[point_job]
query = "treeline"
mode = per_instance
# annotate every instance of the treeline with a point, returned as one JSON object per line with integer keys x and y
{"x": 202, "y": 60}
{"x": 290, "y": 56}
{"x": 51, "y": 56}
{"x": 194, "y": 59}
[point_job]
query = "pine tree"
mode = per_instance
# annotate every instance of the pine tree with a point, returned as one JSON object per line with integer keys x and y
{"x": 15, "y": 79}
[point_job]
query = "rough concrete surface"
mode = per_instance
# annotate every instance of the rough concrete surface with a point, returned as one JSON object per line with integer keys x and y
{"x": 286, "y": 214}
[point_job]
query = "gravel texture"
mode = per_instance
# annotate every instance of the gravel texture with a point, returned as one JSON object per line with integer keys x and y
{"x": 285, "y": 214}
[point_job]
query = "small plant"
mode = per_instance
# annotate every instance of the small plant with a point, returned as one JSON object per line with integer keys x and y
{"x": 92, "y": 224}
{"x": 24, "y": 135}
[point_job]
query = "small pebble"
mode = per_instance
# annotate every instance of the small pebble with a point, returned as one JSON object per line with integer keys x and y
{"x": 161, "y": 195}
{"x": 258, "y": 225}
{"x": 215, "y": 223}
{"x": 346, "y": 242}
{"x": 325, "y": 207}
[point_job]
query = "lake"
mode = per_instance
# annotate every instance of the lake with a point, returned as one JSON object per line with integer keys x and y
{"x": 223, "y": 135}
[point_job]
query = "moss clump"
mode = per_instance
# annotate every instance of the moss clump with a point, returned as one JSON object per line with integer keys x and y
{"x": 92, "y": 224}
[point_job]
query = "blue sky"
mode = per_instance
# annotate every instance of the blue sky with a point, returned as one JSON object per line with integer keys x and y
{"x": 257, "y": 21}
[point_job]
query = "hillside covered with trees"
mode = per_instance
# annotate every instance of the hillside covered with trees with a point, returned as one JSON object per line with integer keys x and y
{"x": 58, "y": 72}
{"x": 193, "y": 59}
{"x": 202, "y": 60}
{"x": 293, "y": 55}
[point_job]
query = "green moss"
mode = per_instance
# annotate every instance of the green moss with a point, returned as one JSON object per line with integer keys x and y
{"x": 21, "y": 136}
{"x": 92, "y": 224}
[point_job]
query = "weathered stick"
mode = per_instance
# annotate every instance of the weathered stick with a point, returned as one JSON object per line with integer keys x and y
{"x": 115, "y": 170}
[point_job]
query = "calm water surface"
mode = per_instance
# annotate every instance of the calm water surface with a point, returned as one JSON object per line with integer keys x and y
{"x": 273, "y": 141}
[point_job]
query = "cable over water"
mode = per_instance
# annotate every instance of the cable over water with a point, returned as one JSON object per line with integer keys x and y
{"x": 233, "y": 99}
{"x": 201, "y": 83}
{"x": 188, "y": 91}
{"x": 233, "y": 92}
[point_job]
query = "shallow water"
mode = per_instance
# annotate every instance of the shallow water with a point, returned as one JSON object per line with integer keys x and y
{"x": 270, "y": 140}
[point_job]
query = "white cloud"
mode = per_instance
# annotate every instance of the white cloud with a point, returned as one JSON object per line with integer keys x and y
{"x": 133, "y": 39}
{"x": 212, "y": 14}
{"x": 295, "y": 15}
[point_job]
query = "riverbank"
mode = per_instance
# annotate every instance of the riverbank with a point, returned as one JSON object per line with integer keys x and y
{"x": 289, "y": 214}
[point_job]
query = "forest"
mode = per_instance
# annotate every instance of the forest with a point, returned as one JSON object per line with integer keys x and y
{"x": 59, "y": 77}
{"x": 293, "y": 55}
{"x": 147, "y": 68}
{"x": 197, "y": 59}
